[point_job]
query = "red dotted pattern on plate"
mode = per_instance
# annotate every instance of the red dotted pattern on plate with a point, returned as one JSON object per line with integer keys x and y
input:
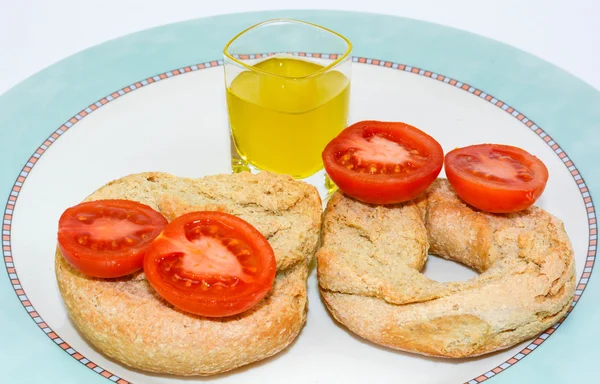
{"x": 12, "y": 199}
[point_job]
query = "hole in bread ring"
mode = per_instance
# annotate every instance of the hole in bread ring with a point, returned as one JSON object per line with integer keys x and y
{"x": 370, "y": 263}
{"x": 443, "y": 270}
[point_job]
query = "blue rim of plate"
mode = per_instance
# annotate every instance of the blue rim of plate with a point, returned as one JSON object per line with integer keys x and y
{"x": 16, "y": 188}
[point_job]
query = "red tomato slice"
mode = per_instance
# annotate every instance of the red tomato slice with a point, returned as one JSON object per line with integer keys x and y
{"x": 108, "y": 238}
{"x": 211, "y": 264}
{"x": 496, "y": 178}
{"x": 383, "y": 162}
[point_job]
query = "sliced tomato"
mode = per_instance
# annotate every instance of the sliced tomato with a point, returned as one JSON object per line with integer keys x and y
{"x": 211, "y": 264}
{"x": 383, "y": 162}
{"x": 108, "y": 238}
{"x": 496, "y": 178}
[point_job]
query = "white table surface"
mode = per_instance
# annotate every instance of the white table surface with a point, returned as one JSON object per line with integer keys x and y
{"x": 37, "y": 33}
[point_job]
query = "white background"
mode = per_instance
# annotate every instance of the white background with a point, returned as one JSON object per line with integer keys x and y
{"x": 37, "y": 33}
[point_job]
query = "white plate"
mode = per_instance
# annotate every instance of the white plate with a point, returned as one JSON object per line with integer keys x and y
{"x": 179, "y": 125}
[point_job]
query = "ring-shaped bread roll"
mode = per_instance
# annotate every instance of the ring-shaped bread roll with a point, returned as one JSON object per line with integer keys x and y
{"x": 127, "y": 320}
{"x": 370, "y": 261}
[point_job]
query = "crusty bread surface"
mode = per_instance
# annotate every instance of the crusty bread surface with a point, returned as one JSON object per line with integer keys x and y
{"x": 127, "y": 320}
{"x": 371, "y": 256}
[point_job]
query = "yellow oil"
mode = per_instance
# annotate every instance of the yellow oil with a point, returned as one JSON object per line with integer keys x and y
{"x": 280, "y": 121}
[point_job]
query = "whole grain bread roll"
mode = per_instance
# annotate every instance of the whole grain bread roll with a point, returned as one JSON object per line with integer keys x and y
{"x": 127, "y": 320}
{"x": 370, "y": 261}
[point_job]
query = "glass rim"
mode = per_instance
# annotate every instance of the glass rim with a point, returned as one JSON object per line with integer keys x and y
{"x": 340, "y": 59}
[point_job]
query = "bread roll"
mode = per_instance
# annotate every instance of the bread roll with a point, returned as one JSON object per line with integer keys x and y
{"x": 125, "y": 318}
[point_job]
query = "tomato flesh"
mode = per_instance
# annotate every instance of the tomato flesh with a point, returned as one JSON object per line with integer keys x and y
{"x": 380, "y": 154}
{"x": 108, "y": 238}
{"x": 383, "y": 162}
{"x": 211, "y": 264}
{"x": 496, "y": 178}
